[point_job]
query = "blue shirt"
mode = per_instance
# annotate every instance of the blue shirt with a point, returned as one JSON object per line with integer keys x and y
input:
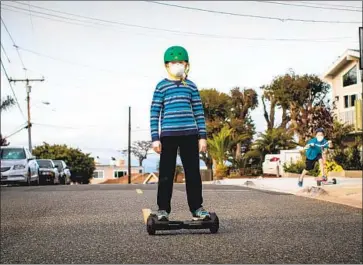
{"x": 315, "y": 150}
{"x": 178, "y": 108}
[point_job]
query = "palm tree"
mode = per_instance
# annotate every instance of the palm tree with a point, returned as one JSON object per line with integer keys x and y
{"x": 274, "y": 140}
{"x": 219, "y": 147}
{"x": 339, "y": 131}
{"x": 178, "y": 170}
{"x": 7, "y": 103}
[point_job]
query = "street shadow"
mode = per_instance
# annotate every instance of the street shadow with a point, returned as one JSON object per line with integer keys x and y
{"x": 186, "y": 232}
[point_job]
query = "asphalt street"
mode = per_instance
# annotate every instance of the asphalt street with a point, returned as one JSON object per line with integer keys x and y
{"x": 104, "y": 224}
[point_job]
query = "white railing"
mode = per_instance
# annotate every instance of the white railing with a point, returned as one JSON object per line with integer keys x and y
{"x": 347, "y": 117}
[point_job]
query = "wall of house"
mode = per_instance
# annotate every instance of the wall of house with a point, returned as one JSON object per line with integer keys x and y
{"x": 339, "y": 90}
{"x": 108, "y": 172}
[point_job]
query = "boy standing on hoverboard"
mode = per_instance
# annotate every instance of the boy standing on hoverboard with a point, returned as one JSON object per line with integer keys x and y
{"x": 314, "y": 153}
{"x": 176, "y": 102}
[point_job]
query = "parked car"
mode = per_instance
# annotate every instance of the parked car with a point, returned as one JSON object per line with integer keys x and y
{"x": 64, "y": 172}
{"x": 48, "y": 172}
{"x": 18, "y": 165}
{"x": 273, "y": 163}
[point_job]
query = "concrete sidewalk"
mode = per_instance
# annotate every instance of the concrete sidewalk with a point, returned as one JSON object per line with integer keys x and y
{"x": 347, "y": 191}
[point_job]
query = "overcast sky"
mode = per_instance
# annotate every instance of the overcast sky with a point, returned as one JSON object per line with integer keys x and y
{"x": 94, "y": 70}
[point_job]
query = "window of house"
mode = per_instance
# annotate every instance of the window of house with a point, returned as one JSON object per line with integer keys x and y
{"x": 98, "y": 174}
{"x": 346, "y": 101}
{"x": 119, "y": 173}
{"x": 350, "y": 78}
{"x": 140, "y": 171}
{"x": 349, "y": 101}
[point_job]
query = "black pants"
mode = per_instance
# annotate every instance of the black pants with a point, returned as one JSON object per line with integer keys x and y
{"x": 189, "y": 154}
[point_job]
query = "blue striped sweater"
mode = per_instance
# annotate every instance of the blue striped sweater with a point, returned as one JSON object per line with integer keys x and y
{"x": 178, "y": 108}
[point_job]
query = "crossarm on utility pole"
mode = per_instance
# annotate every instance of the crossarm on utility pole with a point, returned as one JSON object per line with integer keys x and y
{"x": 28, "y": 90}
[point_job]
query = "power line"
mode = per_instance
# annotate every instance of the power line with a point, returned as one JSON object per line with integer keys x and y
{"x": 19, "y": 130}
{"x": 69, "y": 62}
{"x": 12, "y": 89}
{"x": 321, "y": 4}
{"x": 318, "y": 7}
{"x": 16, "y": 47}
{"x": 89, "y": 26}
{"x": 23, "y": 126}
{"x": 333, "y": 39}
{"x": 254, "y": 16}
{"x": 75, "y": 63}
{"x": 7, "y": 57}
{"x": 31, "y": 21}
{"x": 97, "y": 19}
{"x": 83, "y": 127}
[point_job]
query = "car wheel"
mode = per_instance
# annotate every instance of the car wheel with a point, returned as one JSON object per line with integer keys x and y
{"x": 37, "y": 182}
{"x": 41, "y": 180}
{"x": 28, "y": 180}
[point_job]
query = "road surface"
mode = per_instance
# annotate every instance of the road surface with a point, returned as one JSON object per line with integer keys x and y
{"x": 104, "y": 224}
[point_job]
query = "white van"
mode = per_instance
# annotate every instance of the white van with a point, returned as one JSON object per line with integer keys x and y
{"x": 273, "y": 163}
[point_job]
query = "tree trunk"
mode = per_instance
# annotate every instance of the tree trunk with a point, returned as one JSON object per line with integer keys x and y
{"x": 214, "y": 167}
{"x": 272, "y": 113}
{"x": 285, "y": 118}
{"x": 265, "y": 114}
{"x": 238, "y": 151}
{"x": 140, "y": 162}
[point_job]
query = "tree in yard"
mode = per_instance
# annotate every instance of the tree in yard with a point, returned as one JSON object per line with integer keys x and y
{"x": 242, "y": 102}
{"x": 5, "y": 104}
{"x": 302, "y": 99}
{"x": 219, "y": 146}
{"x": 278, "y": 95}
{"x": 178, "y": 170}
{"x": 274, "y": 140}
{"x": 3, "y": 141}
{"x": 140, "y": 150}
{"x": 233, "y": 110}
{"x": 216, "y": 106}
{"x": 337, "y": 134}
{"x": 81, "y": 164}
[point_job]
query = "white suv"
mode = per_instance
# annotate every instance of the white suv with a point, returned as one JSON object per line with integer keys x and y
{"x": 18, "y": 165}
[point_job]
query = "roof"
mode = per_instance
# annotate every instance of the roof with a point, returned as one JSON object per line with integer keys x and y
{"x": 348, "y": 56}
{"x": 115, "y": 166}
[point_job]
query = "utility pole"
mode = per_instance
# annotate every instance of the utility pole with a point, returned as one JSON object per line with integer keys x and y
{"x": 28, "y": 90}
{"x": 129, "y": 147}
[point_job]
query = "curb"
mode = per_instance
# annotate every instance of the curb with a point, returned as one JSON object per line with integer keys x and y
{"x": 317, "y": 193}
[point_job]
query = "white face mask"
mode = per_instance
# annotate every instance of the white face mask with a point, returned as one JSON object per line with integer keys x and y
{"x": 177, "y": 69}
{"x": 320, "y": 138}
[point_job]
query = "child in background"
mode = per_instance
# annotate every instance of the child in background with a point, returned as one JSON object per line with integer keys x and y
{"x": 314, "y": 153}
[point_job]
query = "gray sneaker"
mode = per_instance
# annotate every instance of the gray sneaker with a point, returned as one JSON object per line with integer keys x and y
{"x": 201, "y": 214}
{"x": 162, "y": 215}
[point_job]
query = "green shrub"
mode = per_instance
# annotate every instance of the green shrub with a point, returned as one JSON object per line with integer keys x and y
{"x": 296, "y": 168}
{"x": 299, "y": 166}
{"x": 349, "y": 159}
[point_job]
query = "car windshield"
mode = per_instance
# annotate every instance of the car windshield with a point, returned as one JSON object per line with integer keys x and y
{"x": 12, "y": 153}
{"x": 58, "y": 163}
{"x": 45, "y": 164}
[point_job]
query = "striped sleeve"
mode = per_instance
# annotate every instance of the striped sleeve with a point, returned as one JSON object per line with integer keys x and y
{"x": 198, "y": 112}
{"x": 155, "y": 110}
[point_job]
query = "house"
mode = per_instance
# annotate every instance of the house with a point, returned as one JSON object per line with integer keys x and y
{"x": 345, "y": 79}
{"x": 114, "y": 170}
